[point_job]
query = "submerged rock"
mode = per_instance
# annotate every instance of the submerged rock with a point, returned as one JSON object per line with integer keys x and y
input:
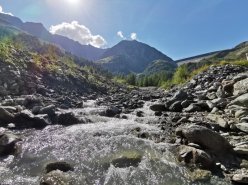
{"x": 59, "y": 165}
{"x": 8, "y": 144}
{"x": 56, "y": 177}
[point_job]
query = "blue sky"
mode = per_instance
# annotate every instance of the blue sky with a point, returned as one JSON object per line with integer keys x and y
{"x": 179, "y": 28}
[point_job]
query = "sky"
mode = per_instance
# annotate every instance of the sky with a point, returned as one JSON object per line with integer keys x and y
{"x": 178, "y": 28}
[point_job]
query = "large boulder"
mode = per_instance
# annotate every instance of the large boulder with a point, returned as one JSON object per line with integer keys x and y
{"x": 204, "y": 137}
{"x": 8, "y": 144}
{"x": 25, "y": 119}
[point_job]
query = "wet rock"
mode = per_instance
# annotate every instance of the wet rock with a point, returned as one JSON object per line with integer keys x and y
{"x": 241, "y": 150}
{"x": 186, "y": 103}
{"x": 5, "y": 116}
{"x": 112, "y": 111}
{"x": 125, "y": 161}
{"x": 192, "y": 156}
{"x": 67, "y": 118}
{"x": 139, "y": 113}
{"x": 8, "y": 144}
{"x": 240, "y": 178}
{"x": 158, "y": 113}
{"x": 198, "y": 134}
{"x": 158, "y": 107}
{"x": 241, "y": 87}
{"x": 59, "y": 165}
{"x": 25, "y": 119}
{"x": 55, "y": 178}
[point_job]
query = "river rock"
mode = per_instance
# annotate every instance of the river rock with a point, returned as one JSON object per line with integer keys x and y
{"x": 111, "y": 111}
{"x": 193, "y": 108}
{"x": 240, "y": 178}
{"x": 176, "y": 107}
{"x": 241, "y": 87}
{"x": 56, "y": 177}
{"x": 178, "y": 96}
{"x": 192, "y": 156}
{"x": 242, "y": 126}
{"x": 5, "y": 116}
{"x": 218, "y": 119}
{"x": 67, "y": 118}
{"x": 59, "y": 165}
{"x": 158, "y": 107}
{"x": 198, "y": 134}
{"x": 25, "y": 119}
{"x": 8, "y": 144}
{"x": 31, "y": 101}
{"x": 241, "y": 100}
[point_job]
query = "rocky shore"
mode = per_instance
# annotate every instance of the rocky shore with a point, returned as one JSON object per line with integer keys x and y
{"x": 205, "y": 120}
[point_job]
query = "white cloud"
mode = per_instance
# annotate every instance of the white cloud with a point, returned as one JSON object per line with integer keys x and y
{"x": 120, "y": 34}
{"x": 79, "y": 33}
{"x": 133, "y": 36}
{"x": 1, "y": 11}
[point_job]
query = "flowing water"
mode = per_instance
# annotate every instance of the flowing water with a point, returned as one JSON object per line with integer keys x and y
{"x": 91, "y": 147}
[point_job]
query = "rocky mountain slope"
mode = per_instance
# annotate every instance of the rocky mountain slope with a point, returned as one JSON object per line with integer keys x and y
{"x": 130, "y": 56}
{"x": 37, "y": 29}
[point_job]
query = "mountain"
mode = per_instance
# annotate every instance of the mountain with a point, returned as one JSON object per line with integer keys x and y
{"x": 130, "y": 56}
{"x": 37, "y": 29}
{"x": 159, "y": 66}
{"x": 234, "y": 54}
{"x": 29, "y": 65}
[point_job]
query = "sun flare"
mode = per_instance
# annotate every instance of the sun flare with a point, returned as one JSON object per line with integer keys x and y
{"x": 73, "y": 1}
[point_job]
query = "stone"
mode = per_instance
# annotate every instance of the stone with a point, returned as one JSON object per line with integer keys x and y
{"x": 139, "y": 114}
{"x": 241, "y": 100}
{"x": 158, "y": 107}
{"x": 220, "y": 102}
{"x": 178, "y": 96}
{"x": 25, "y": 119}
{"x": 56, "y": 177}
{"x": 112, "y": 111}
{"x": 124, "y": 161}
{"x": 241, "y": 113}
{"x": 240, "y": 178}
{"x": 240, "y": 87}
{"x": 219, "y": 120}
{"x": 58, "y": 165}
{"x": 200, "y": 175}
{"x": 192, "y": 156}
{"x": 242, "y": 126}
{"x": 49, "y": 110}
{"x": 193, "y": 108}
{"x": 67, "y": 118}
{"x": 31, "y": 101}
{"x": 241, "y": 150}
{"x": 5, "y": 116}
{"x": 176, "y": 107}
{"x": 198, "y": 134}
{"x": 8, "y": 144}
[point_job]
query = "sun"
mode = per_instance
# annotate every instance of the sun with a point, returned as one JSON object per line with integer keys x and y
{"x": 73, "y": 1}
